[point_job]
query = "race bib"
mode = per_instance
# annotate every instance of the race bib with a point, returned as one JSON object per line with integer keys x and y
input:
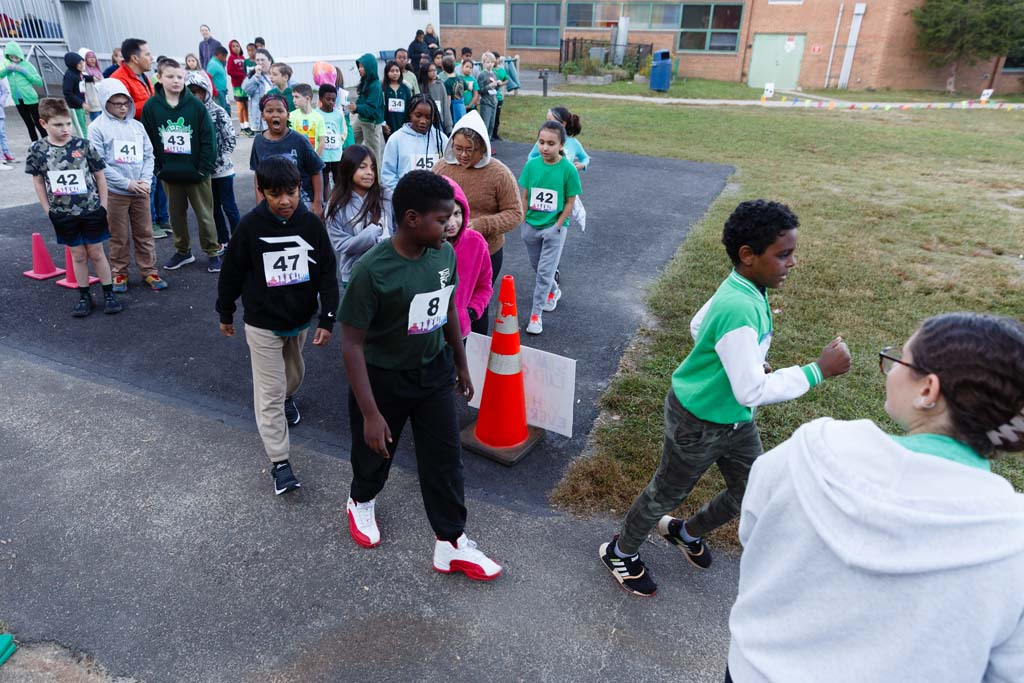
{"x": 492, "y": 91}
{"x": 286, "y": 267}
{"x": 65, "y": 183}
{"x": 396, "y": 104}
{"x": 176, "y": 142}
{"x": 438, "y": 103}
{"x": 331, "y": 141}
{"x": 429, "y": 311}
{"x": 542, "y": 199}
{"x": 424, "y": 162}
{"x": 127, "y": 152}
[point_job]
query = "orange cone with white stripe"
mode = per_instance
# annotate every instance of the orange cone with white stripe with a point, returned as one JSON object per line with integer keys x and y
{"x": 500, "y": 432}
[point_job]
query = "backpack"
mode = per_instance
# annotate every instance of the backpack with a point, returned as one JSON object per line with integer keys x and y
{"x": 458, "y": 87}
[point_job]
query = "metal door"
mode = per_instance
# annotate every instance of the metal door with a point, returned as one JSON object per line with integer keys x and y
{"x": 776, "y": 59}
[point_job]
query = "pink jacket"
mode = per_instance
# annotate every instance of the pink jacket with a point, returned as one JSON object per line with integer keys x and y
{"x": 473, "y": 262}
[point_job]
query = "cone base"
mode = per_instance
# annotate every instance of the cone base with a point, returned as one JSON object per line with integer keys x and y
{"x": 43, "y": 276}
{"x": 505, "y": 456}
{"x": 74, "y": 285}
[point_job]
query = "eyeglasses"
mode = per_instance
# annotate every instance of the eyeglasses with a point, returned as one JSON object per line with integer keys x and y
{"x": 890, "y": 356}
{"x": 120, "y": 104}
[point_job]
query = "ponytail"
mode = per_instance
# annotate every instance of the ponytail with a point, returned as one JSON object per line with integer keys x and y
{"x": 571, "y": 121}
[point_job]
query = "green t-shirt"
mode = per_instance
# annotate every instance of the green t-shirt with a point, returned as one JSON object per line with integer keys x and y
{"x": 502, "y": 75}
{"x": 943, "y": 447}
{"x": 287, "y": 94}
{"x": 401, "y": 303}
{"x": 471, "y": 86}
{"x": 547, "y": 187}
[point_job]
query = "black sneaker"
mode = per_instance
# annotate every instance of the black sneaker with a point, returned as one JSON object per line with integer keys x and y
{"x": 284, "y": 478}
{"x": 697, "y": 552}
{"x": 111, "y": 305}
{"x": 630, "y": 572}
{"x": 179, "y": 260}
{"x": 214, "y": 264}
{"x": 83, "y": 307}
{"x": 291, "y": 411}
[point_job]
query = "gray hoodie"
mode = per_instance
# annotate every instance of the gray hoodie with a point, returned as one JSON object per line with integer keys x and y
{"x": 350, "y": 239}
{"x": 226, "y": 136}
{"x": 123, "y": 143}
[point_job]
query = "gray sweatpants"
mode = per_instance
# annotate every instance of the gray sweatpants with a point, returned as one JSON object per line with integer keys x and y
{"x": 691, "y": 446}
{"x": 544, "y": 247}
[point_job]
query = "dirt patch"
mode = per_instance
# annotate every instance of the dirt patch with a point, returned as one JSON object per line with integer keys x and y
{"x": 52, "y": 663}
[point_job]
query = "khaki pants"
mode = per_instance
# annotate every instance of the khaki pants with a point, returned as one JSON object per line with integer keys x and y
{"x": 200, "y": 196}
{"x": 277, "y": 371}
{"x": 131, "y": 225}
{"x": 371, "y": 135}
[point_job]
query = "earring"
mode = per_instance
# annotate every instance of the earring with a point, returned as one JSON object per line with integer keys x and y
{"x": 920, "y": 404}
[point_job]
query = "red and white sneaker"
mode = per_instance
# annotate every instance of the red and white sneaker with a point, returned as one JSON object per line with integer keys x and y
{"x": 362, "y": 524}
{"x": 462, "y": 556}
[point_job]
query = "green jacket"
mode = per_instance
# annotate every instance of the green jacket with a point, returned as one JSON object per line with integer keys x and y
{"x": 22, "y": 76}
{"x": 370, "y": 103}
{"x": 188, "y": 120}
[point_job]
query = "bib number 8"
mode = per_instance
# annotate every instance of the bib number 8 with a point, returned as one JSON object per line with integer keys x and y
{"x": 433, "y": 305}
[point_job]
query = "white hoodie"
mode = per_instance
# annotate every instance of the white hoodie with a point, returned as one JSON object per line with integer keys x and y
{"x": 122, "y": 143}
{"x": 869, "y": 563}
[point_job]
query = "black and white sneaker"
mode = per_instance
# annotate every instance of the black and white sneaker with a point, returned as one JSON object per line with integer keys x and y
{"x": 696, "y": 552}
{"x": 284, "y": 478}
{"x": 630, "y": 572}
{"x": 291, "y": 411}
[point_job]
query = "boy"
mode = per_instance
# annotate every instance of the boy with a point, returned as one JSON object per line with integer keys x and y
{"x": 408, "y": 71}
{"x": 335, "y": 132}
{"x": 280, "y": 74}
{"x": 369, "y": 106}
{"x": 278, "y": 140}
{"x": 67, "y": 173}
{"x": 709, "y": 410}
{"x": 217, "y": 68}
{"x": 304, "y": 120}
{"x": 488, "y": 83}
{"x": 222, "y": 181}
{"x": 185, "y": 150}
{"x": 467, "y": 53}
{"x": 471, "y": 93}
{"x": 281, "y": 262}
{"x": 403, "y": 353}
{"x": 128, "y": 155}
{"x": 501, "y": 73}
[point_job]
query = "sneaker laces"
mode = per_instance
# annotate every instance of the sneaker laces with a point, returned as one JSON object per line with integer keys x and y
{"x": 364, "y": 514}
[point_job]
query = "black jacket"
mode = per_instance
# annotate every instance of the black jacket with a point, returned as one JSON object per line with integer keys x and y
{"x": 73, "y": 78}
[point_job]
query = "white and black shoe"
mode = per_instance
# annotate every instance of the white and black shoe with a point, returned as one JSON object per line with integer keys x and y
{"x": 284, "y": 478}
{"x": 630, "y": 572}
{"x": 697, "y": 552}
{"x": 291, "y": 411}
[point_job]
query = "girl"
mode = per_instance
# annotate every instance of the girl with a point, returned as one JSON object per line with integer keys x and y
{"x": 359, "y": 211}
{"x": 430, "y": 85}
{"x": 92, "y": 68}
{"x": 473, "y": 263}
{"x": 873, "y": 557}
{"x": 550, "y": 185}
{"x": 192, "y": 64}
{"x": 396, "y": 99}
{"x": 488, "y": 82}
{"x": 280, "y": 140}
{"x": 236, "y": 70}
{"x": 418, "y": 145}
{"x": 575, "y": 153}
{"x": 255, "y": 86}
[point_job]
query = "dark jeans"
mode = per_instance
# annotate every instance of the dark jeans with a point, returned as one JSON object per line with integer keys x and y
{"x": 691, "y": 446}
{"x": 30, "y": 115}
{"x": 224, "y": 206}
{"x": 158, "y": 203}
{"x": 332, "y": 176}
{"x": 425, "y": 395}
{"x": 483, "y": 324}
{"x": 728, "y": 678}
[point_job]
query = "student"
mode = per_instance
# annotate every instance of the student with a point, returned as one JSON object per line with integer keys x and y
{"x": 305, "y": 120}
{"x": 396, "y": 99}
{"x": 502, "y": 75}
{"x": 217, "y": 70}
{"x": 185, "y": 146}
{"x": 401, "y": 343}
{"x": 418, "y": 144}
{"x": 280, "y": 76}
{"x": 256, "y": 85}
{"x": 259, "y": 43}
{"x": 23, "y": 78}
{"x": 456, "y": 88}
{"x": 115, "y": 62}
{"x": 359, "y": 212}
{"x": 278, "y": 140}
{"x": 550, "y": 185}
{"x": 574, "y": 152}
{"x": 874, "y": 557}
{"x": 417, "y": 49}
{"x": 488, "y": 83}
{"x": 408, "y": 72}
{"x": 67, "y": 173}
{"x": 236, "y": 71}
{"x": 438, "y": 59}
{"x": 4, "y": 149}
{"x": 281, "y": 263}
{"x": 335, "y": 132}
{"x": 467, "y": 53}
{"x": 194, "y": 66}
{"x": 435, "y": 89}
{"x": 222, "y": 181}
{"x": 474, "y": 290}
{"x": 91, "y": 69}
{"x": 128, "y": 155}
{"x": 471, "y": 93}
{"x": 709, "y": 410}
{"x": 369, "y": 106}
{"x": 74, "y": 91}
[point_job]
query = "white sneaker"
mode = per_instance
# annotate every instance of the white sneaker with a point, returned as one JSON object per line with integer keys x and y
{"x": 462, "y": 556}
{"x": 552, "y": 301}
{"x": 535, "y": 326}
{"x": 5, "y": 167}
{"x": 362, "y": 524}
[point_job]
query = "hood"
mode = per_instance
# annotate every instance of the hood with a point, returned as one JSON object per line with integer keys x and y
{"x": 12, "y": 49}
{"x": 197, "y": 78}
{"x": 369, "y": 63}
{"x": 72, "y": 60}
{"x": 109, "y": 87}
{"x": 885, "y": 509}
{"x": 470, "y": 120}
{"x": 460, "y": 199}
{"x": 93, "y": 70}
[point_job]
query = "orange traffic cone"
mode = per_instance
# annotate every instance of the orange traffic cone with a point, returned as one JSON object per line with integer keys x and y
{"x": 500, "y": 431}
{"x": 42, "y": 264}
{"x": 69, "y": 280}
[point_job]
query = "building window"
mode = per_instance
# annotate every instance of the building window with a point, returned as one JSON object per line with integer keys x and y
{"x": 535, "y": 24}
{"x": 419, "y": 5}
{"x": 473, "y": 13}
{"x": 652, "y": 16}
{"x": 710, "y": 28}
{"x": 593, "y": 14}
{"x": 1015, "y": 60}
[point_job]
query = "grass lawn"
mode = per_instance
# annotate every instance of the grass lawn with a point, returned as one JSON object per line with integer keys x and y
{"x": 695, "y": 88}
{"x": 904, "y": 215}
{"x": 907, "y": 96}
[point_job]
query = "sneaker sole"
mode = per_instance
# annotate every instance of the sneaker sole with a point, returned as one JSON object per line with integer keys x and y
{"x": 600, "y": 555}
{"x": 472, "y": 571}
{"x": 361, "y": 539}
{"x": 279, "y": 492}
{"x": 190, "y": 259}
{"x": 682, "y": 548}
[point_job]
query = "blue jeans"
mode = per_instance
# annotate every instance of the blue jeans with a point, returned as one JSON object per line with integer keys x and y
{"x": 3, "y": 138}
{"x": 224, "y": 206}
{"x": 158, "y": 202}
{"x": 458, "y": 109}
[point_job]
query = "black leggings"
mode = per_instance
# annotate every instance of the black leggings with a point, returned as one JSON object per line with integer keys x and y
{"x": 30, "y": 115}
{"x": 483, "y": 323}
{"x": 497, "y": 119}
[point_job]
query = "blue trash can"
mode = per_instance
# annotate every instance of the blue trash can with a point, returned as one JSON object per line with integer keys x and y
{"x": 661, "y": 70}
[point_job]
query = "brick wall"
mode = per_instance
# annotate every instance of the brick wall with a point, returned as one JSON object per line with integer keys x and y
{"x": 479, "y": 40}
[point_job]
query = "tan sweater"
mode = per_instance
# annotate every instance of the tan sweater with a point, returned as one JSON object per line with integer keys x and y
{"x": 495, "y": 206}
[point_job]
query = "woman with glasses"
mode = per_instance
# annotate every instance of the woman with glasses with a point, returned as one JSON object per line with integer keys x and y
{"x": 872, "y": 557}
